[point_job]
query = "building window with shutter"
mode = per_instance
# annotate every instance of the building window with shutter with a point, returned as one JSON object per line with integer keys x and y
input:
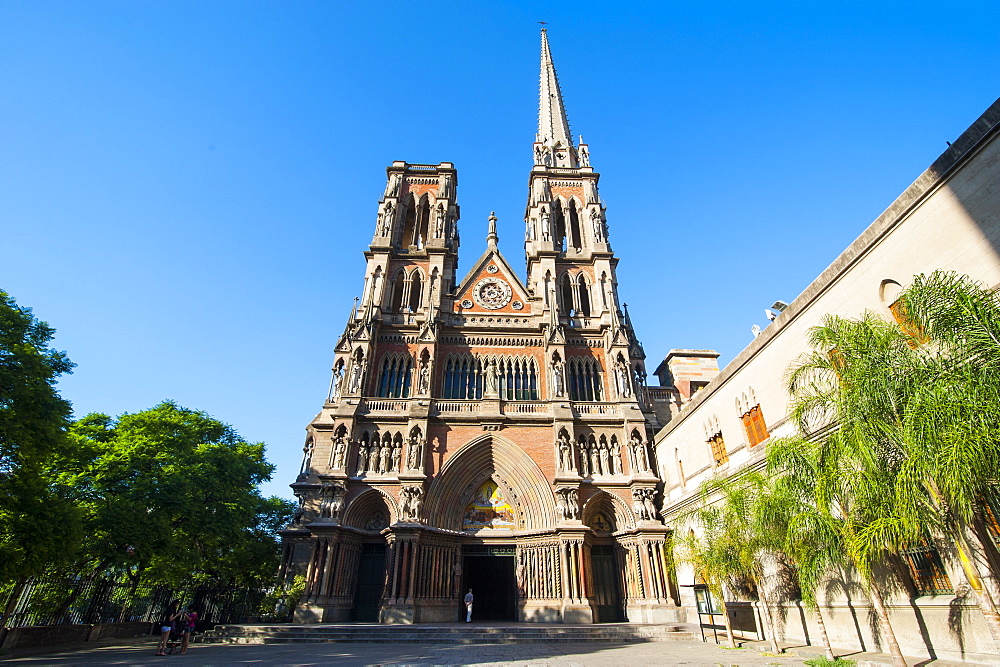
{"x": 719, "y": 453}
{"x": 753, "y": 422}
{"x": 926, "y": 570}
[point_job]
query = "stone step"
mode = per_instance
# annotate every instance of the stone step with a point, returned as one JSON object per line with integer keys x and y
{"x": 429, "y": 634}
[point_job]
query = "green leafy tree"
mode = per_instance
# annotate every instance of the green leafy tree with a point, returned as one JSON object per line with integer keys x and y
{"x": 39, "y": 526}
{"x": 171, "y": 495}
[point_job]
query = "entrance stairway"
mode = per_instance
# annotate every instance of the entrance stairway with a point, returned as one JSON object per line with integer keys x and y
{"x": 445, "y": 633}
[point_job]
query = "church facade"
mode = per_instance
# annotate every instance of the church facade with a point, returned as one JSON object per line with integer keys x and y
{"x": 481, "y": 432}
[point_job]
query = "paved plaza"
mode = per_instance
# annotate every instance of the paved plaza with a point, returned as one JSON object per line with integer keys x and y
{"x": 677, "y": 652}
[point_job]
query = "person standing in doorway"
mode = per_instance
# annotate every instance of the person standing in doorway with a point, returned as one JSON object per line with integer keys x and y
{"x": 468, "y": 606}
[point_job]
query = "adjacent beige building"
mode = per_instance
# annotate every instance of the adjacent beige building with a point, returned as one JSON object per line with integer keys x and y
{"x": 949, "y": 218}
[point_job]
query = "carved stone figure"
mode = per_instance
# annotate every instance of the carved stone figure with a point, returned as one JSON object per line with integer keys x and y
{"x": 332, "y": 500}
{"x": 624, "y": 381}
{"x": 383, "y": 458}
{"x": 357, "y": 372}
{"x": 595, "y": 219}
{"x": 567, "y": 504}
{"x": 585, "y": 156}
{"x": 603, "y": 453}
{"x": 565, "y": 454}
{"x": 385, "y": 221}
{"x": 307, "y": 455}
{"x": 492, "y": 387}
{"x": 439, "y": 224}
{"x": 642, "y": 504}
{"x": 557, "y": 378}
{"x": 300, "y": 509}
{"x": 339, "y": 452}
{"x": 616, "y": 459}
{"x": 585, "y": 468}
{"x": 546, "y": 228}
{"x": 397, "y": 454}
{"x": 338, "y": 383}
{"x": 639, "y": 455}
{"x": 411, "y": 502}
{"x": 415, "y": 454}
{"x": 595, "y": 461}
{"x": 373, "y": 458}
{"x": 362, "y": 458}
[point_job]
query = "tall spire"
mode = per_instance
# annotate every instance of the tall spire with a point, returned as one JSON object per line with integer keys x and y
{"x": 553, "y": 144}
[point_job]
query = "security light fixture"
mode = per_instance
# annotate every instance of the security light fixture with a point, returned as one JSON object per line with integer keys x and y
{"x": 779, "y": 306}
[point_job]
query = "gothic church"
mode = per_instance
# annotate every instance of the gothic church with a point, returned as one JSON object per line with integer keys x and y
{"x": 485, "y": 433}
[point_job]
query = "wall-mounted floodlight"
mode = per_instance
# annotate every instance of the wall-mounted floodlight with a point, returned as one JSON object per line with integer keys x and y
{"x": 779, "y": 306}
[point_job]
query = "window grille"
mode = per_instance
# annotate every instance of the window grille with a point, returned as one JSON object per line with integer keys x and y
{"x": 927, "y": 570}
{"x": 394, "y": 378}
{"x": 753, "y": 422}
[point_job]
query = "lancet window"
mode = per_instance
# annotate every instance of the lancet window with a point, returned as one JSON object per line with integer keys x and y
{"x": 585, "y": 382}
{"x": 407, "y": 291}
{"x": 574, "y": 293}
{"x": 395, "y": 376}
{"x": 465, "y": 377}
{"x": 518, "y": 379}
{"x": 416, "y": 222}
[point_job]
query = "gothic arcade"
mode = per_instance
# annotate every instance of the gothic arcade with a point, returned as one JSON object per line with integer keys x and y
{"x": 486, "y": 434}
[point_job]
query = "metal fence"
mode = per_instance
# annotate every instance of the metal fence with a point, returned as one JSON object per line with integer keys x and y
{"x": 59, "y": 601}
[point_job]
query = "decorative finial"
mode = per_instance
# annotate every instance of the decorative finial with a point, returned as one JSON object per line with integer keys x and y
{"x": 491, "y": 236}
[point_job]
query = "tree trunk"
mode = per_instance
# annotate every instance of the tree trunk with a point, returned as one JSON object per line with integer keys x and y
{"x": 768, "y": 619}
{"x": 823, "y": 635}
{"x": 884, "y": 624}
{"x": 15, "y": 597}
{"x": 975, "y": 565}
{"x": 729, "y": 625}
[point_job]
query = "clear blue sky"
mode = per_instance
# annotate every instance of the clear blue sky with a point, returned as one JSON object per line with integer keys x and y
{"x": 186, "y": 188}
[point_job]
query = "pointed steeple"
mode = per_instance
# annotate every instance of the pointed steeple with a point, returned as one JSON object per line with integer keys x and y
{"x": 554, "y": 143}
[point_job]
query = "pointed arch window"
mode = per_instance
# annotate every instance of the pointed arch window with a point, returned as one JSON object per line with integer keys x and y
{"x": 517, "y": 378}
{"x": 416, "y": 292}
{"x": 574, "y": 226}
{"x": 585, "y": 382}
{"x": 566, "y": 293}
{"x": 395, "y": 376}
{"x": 559, "y": 225}
{"x": 422, "y": 222}
{"x": 409, "y": 222}
{"x": 584, "y": 293}
{"x": 463, "y": 378}
{"x": 398, "y": 287}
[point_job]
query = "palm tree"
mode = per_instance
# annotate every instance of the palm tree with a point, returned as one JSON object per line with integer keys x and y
{"x": 849, "y": 393}
{"x": 741, "y": 539}
{"x": 951, "y": 427}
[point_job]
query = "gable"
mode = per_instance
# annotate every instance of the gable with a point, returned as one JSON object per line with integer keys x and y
{"x": 492, "y": 287}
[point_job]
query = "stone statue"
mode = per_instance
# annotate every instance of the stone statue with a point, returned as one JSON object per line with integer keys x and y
{"x": 639, "y": 454}
{"x": 439, "y": 224}
{"x": 307, "y": 456}
{"x": 595, "y": 219}
{"x": 411, "y": 502}
{"x": 338, "y": 382}
{"x": 640, "y": 505}
{"x": 300, "y": 509}
{"x": 557, "y": 378}
{"x": 616, "y": 460}
{"x": 357, "y": 372}
{"x": 624, "y": 382}
{"x": 491, "y": 382}
{"x": 383, "y": 462}
{"x": 585, "y": 156}
{"x": 595, "y": 461}
{"x": 339, "y": 452}
{"x": 393, "y": 189}
{"x": 397, "y": 455}
{"x": 545, "y": 225}
{"x": 585, "y": 468}
{"x": 603, "y": 453}
{"x": 362, "y": 458}
{"x": 567, "y": 504}
{"x": 332, "y": 495}
{"x": 424, "y": 378}
{"x": 373, "y": 458}
{"x": 415, "y": 454}
{"x": 385, "y": 224}
{"x": 565, "y": 454}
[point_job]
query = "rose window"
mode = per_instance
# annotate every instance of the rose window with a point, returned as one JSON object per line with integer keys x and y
{"x": 492, "y": 293}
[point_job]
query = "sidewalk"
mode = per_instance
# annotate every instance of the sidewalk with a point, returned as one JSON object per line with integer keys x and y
{"x": 692, "y": 653}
